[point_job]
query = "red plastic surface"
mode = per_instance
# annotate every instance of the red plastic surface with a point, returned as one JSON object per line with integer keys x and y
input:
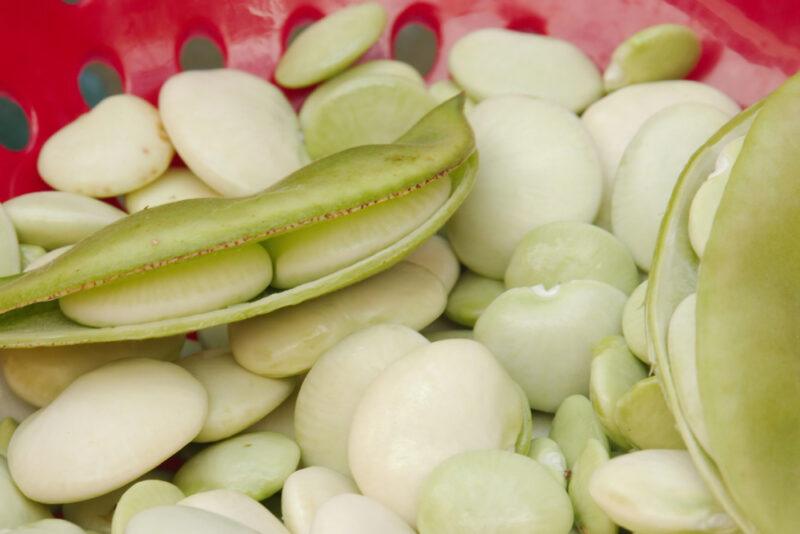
{"x": 750, "y": 46}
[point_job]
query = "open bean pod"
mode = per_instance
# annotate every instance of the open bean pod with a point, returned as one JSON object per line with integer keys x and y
{"x": 440, "y": 146}
{"x": 747, "y": 361}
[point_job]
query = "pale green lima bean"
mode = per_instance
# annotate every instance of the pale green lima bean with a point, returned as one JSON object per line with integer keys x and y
{"x": 660, "y": 52}
{"x": 256, "y": 464}
{"x": 470, "y": 297}
{"x": 330, "y": 45}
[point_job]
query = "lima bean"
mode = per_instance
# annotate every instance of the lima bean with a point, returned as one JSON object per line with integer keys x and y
{"x": 544, "y": 338}
{"x": 589, "y": 517}
{"x": 574, "y": 425}
{"x": 471, "y": 296}
{"x": 331, "y": 391}
{"x": 238, "y": 507}
{"x": 54, "y": 219}
{"x": 39, "y": 375}
{"x": 88, "y": 442}
{"x": 615, "y": 119}
{"x": 289, "y": 341}
{"x": 306, "y": 490}
{"x": 176, "y": 518}
{"x": 438, "y": 400}
{"x": 515, "y": 190}
{"x": 139, "y": 497}
{"x": 660, "y": 52}
{"x": 174, "y": 185}
{"x": 647, "y": 172}
{"x": 614, "y": 372}
{"x": 116, "y": 147}
{"x": 356, "y": 514}
{"x": 237, "y": 398}
{"x": 359, "y": 107}
{"x": 330, "y": 45}
{"x": 491, "y": 62}
{"x": 643, "y": 418}
{"x": 256, "y": 464}
{"x": 477, "y": 492}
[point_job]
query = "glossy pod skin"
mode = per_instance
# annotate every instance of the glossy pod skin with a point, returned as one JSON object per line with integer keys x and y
{"x": 441, "y": 144}
{"x": 746, "y": 315}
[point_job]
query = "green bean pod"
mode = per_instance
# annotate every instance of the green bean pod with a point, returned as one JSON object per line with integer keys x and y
{"x": 440, "y": 145}
{"x": 747, "y": 356}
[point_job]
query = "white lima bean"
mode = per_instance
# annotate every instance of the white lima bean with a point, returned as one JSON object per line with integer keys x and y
{"x": 174, "y": 185}
{"x": 88, "y": 441}
{"x": 681, "y": 341}
{"x": 238, "y": 507}
{"x": 614, "y": 120}
{"x": 237, "y": 398}
{"x": 235, "y": 131}
{"x": 40, "y": 374}
{"x": 648, "y": 172}
{"x": 311, "y": 253}
{"x": 438, "y": 257}
{"x": 96, "y": 514}
{"x": 440, "y": 399}
{"x": 518, "y": 189}
{"x": 633, "y": 323}
{"x": 356, "y": 514}
{"x": 139, "y": 497}
{"x": 493, "y": 62}
{"x": 544, "y": 337}
{"x": 707, "y": 199}
{"x": 659, "y": 492}
{"x": 17, "y": 509}
{"x": 306, "y": 490}
{"x": 205, "y": 283}
{"x": 333, "y": 388}
{"x": 53, "y": 219}
{"x": 176, "y": 518}
{"x": 280, "y": 420}
{"x": 116, "y": 147}
{"x": 288, "y": 341}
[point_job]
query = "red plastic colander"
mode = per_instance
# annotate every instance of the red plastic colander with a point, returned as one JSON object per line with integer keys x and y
{"x": 749, "y": 46}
